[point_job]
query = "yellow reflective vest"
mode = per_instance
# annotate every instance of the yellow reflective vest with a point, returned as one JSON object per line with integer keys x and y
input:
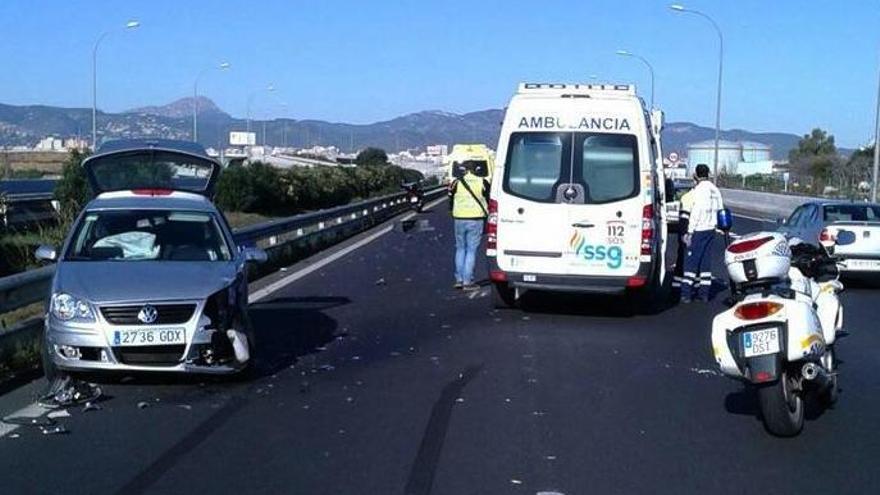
{"x": 464, "y": 205}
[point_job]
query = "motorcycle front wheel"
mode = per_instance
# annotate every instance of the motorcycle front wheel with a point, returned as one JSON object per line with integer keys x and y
{"x": 782, "y": 407}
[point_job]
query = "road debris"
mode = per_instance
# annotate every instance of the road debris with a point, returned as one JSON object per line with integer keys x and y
{"x": 61, "y": 413}
{"x": 185, "y": 406}
{"x": 66, "y": 391}
{"x": 91, "y": 406}
{"x": 516, "y": 481}
{"x": 381, "y": 281}
{"x": 143, "y": 405}
{"x": 703, "y": 371}
{"x": 53, "y": 430}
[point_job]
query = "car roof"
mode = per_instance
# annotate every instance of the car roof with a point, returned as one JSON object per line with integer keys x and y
{"x": 837, "y": 202}
{"x": 127, "y": 200}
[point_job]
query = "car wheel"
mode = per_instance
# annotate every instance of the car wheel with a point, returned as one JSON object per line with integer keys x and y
{"x": 503, "y": 296}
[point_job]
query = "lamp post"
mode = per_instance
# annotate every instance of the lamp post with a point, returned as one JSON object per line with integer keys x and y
{"x": 222, "y": 66}
{"x": 625, "y": 53}
{"x": 681, "y": 8}
{"x": 270, "y": 88}
{"x": 876, "y": 148}
{"x": 129, "y": 25}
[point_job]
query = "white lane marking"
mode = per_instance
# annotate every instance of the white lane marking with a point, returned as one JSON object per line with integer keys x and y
{"x": 756, "y": 219}
{"x": 31, "y": 411}
{"x": 293, "y": 277}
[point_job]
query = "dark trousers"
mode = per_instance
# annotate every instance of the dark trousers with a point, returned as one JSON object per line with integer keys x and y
{"x": 680, "y": 255}
{"x": 697, "y": 265}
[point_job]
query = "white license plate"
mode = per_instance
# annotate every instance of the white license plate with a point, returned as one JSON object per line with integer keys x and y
{"x": 413, "y": 200}
{"x": 863, "y": 264}
{"x": 149, "y": 336}
{"x": 761, "y": 342}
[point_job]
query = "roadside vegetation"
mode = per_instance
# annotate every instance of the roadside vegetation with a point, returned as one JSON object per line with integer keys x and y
{"x": 816, "y": 168}
{"x": 247, "y": 195}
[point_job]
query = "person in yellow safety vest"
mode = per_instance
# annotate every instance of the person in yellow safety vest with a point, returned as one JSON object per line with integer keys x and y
{"x": 684, "y": 214}
{"x": 469, "y": 199}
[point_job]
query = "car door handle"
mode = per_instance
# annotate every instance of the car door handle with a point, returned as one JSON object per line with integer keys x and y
{"x": 580, "y": 225}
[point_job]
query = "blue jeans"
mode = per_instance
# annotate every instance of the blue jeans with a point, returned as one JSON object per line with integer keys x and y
{"x": 467, "y": 240}
{"x": 698, "y": 265}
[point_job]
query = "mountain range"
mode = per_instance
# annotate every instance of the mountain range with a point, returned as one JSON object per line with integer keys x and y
{"x": 26, "y": 125}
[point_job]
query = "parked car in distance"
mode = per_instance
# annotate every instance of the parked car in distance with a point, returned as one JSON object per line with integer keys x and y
{"x": 825, "y": 220}
{"x": 679, "y": 187}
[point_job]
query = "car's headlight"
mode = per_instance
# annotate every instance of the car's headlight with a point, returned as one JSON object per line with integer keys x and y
{"x": 68, "y": 308}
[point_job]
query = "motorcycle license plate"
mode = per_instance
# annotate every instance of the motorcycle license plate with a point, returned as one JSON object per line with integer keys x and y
{"x": 761, "y": 342}
{"x": 413, "y": 200}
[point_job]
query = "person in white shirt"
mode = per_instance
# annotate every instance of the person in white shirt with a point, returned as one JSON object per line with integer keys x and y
{"x": 700, "y": 234}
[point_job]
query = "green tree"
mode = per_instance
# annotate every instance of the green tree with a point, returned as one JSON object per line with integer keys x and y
{"x": 815, "y": 159}
{"x": 72, "y": 191}
{"x": 372, "y": 157}
{"x": 256, "y": 188}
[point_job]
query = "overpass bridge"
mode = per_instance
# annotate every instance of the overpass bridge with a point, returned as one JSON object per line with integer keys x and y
{"x": 377, "y": 377}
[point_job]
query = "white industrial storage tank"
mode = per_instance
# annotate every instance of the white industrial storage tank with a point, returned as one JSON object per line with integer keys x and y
{"x": 756, "y": 152}
{"x": 729, "y": 155}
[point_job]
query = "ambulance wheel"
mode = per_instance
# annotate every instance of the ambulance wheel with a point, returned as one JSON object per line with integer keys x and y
{"x": 782, "y": 407}
{"x": 503, "y": 296}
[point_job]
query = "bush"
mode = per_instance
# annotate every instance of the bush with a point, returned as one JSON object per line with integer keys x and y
{"x": 263, "y": 189}
{"x": 72, "y": 191}
{"x": 257, "y": 188}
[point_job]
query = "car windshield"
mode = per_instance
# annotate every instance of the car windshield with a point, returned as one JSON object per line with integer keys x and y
{"x": 147, "y": 235}
{"x": 852, "y": 213}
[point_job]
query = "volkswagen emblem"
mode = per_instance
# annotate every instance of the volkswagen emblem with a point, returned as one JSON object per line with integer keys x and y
{"x": 148, "y": 314}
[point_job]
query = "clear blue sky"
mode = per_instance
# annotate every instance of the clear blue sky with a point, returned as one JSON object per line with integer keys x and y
{"x": 790, "y": 64}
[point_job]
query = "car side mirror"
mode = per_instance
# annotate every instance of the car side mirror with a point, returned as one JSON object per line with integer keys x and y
{"x": 46, "y": 253}
{"x": 781, "y": 221}
{"x": 845, "y": 237}
{"x": 255, "y": 255}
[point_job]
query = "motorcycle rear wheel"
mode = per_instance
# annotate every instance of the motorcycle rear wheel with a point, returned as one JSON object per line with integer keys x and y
{"x": 782, "y": 407}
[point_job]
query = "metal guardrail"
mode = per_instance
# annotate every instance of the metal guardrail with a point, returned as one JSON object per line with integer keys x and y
{"x": 23, "y": 289}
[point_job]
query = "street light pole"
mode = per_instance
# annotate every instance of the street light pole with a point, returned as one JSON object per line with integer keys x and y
{"x": 195, "y": 133}
{"x": 681, "y": 8}
{"x": 876, "y": 147}
{"x": 250, "y": 101}
{"x": 626, "y": 53}
{"x": 128, "y": 25}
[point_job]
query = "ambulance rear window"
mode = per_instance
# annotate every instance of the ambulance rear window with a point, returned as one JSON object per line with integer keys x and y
{"x": 608, "y": 166}
{"x": 534, "y": 164}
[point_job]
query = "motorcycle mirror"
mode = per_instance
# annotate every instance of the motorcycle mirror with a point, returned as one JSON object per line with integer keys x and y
{"x": 845, "y": 237}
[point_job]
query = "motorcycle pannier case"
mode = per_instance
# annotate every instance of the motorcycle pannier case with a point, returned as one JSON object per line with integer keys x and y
{"x": 761, "y": 256}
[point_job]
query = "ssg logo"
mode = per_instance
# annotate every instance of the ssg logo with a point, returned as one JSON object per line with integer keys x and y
{"x": 611, "y": 255}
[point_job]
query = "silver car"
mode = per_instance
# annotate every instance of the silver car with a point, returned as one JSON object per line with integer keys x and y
{"x": 149, "y": 277}
{"x": 818, "y": 220}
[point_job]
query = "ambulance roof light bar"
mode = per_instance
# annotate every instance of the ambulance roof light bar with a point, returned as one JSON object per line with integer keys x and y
{"x": 627, "y": 89}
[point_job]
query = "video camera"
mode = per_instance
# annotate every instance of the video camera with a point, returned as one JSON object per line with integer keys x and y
{"x": 477, "y": 167}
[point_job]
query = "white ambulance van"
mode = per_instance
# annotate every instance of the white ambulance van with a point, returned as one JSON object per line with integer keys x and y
{"x": 577, "y": 200}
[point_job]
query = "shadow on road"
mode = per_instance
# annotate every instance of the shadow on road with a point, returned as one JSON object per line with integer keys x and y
{"x": 288, "y": 328}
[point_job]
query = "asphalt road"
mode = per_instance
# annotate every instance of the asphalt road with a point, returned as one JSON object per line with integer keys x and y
{"x": 379, "y": 378}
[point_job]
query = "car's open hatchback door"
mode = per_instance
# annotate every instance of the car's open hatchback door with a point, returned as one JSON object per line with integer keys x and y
{"x": 148, "y": 164}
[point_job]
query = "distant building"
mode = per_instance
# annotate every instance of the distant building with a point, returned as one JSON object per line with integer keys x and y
{"x": 734, "y": 158}
{"x": 50, "y": 144}
{"x": 437, "y": 150}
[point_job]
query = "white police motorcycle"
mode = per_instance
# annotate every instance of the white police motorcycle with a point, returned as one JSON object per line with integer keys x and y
{"x": 779, "y": 335}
